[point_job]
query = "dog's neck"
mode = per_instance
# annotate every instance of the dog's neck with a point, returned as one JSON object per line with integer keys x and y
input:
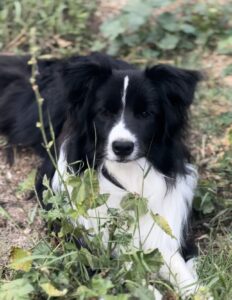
{"x": 129, "y": 176}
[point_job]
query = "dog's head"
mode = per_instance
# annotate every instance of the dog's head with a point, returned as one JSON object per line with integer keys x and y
{"x": 120, "y": 113}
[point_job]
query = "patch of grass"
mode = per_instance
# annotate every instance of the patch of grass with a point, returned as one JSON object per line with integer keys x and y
{"x": 212, "y": 119}
{"x": 63, "y": 27}
{"x": 215, "y": 266}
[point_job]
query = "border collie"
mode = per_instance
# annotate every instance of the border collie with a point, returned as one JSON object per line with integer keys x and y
{"x": 130, "y": 125}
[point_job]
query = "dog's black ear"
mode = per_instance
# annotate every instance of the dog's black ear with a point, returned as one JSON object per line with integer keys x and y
{"x": 176, "y": 88}
{"x": 79, "y": 77}
{"x": 178, "y": 85}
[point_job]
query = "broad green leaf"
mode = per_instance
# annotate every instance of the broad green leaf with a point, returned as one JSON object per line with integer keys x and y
{"x": 135, "y": 203}
{"x": 85, "y": 194}
{"x": 144, "y": 262}
{"x": 111, "y": 29}
{"x": 169, "y": 42}
{"x": 134, "y": 22}
{"x": 91, "y": 180}
{"x": 168, "y": 22}
{"x": 187, "y": 28}
{"x": 204, "y": 203}
{"x": 154, "y": 260}
{"x": 51, "y": 291}
{"x": 135, "y": 6}
{"x": 162, "y": 223}
{"x": 73, "y": 181}
{"x": 18, "y": 289}
{"x": 16, "y": 257}
{"x": 101, "y": 285}
{"x": 81, "y": 195}
{"x": 133, "y": 19}
{"x": 98, "y": 45}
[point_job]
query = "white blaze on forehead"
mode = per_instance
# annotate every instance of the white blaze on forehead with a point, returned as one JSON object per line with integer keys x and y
{"x": 119, "y": 131}
{"x": 125, "y": 86}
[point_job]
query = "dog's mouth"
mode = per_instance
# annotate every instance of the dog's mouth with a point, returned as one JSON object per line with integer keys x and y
{"x": 125, "y": 159}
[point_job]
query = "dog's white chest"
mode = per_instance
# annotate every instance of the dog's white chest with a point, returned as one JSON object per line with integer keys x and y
{"x": 140, "y": 178}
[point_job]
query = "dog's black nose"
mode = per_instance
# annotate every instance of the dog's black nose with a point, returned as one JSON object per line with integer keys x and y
{"x": 123, "y": 148}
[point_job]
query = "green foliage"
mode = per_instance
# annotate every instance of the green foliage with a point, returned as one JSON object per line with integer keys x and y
{"x": 61, "y": 25}
{"x": 17, "y": 257}
{"x": 214, "y": 191}
{"x": 215, "y": 266}
{"x": 228, "y": 70}
{"x": 18, "y": 289}
{"x": 135, "y": 203}
{"x": 183, "y": 29}
{"x": 225, "y": 45}
{"x": 27, "y": 184}
{"x": 205, "y": 198}
{"x": 163, "y": 224}
{"x": 56, "y": 267}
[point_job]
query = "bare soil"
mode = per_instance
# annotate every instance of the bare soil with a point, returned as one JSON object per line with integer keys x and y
{"x": 16, "y": 231}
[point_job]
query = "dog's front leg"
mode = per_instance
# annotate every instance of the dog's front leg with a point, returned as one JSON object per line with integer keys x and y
{"x": 176, "y": 271}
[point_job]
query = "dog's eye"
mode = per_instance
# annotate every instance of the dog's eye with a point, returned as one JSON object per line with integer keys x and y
{"x": 146, "y": 114}
{"x": 106, "y": 112}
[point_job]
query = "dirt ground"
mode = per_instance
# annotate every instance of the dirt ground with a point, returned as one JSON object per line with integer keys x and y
{"x": 16, "y": 231}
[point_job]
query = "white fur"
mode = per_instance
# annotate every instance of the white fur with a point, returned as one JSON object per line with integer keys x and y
{"x": 125, "y": 86}
{"x": 173, "y": 205}
{"x": 120, "y": 133}
{"x": 62, "y": 167}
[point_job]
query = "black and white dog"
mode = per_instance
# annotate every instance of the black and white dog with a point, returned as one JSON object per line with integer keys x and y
{"x": 130, "y": 125}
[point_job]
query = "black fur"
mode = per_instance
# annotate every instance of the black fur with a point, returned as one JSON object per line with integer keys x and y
{"x": 18, "y": 106}
{"x": 163, "y": 92}
{"x": 84, "y": 93}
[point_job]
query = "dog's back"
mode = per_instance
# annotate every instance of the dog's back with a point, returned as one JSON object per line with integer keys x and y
{"x": 18, "y": 105}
